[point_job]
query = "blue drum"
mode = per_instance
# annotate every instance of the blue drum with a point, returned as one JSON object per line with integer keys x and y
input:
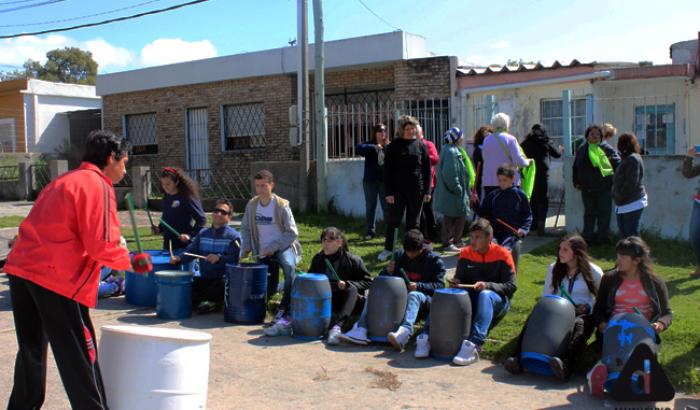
{"x": 311, "y": 306}
{"x": 548, "y": 332}
{"x": 141, "y": 289}
{"x": 625, "y": 331}
{"x": 174, "y": 300}
{"x": 244, "y": 293}
{"x": 386, "y": 306}
{"x": 450, "y": 322}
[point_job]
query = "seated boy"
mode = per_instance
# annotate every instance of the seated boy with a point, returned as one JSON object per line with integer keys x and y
{"x": 489, "y": 268}
{"x": 425, "y": 272}
{"x": 508, "y": 210}
{"x": 220, "y": 244}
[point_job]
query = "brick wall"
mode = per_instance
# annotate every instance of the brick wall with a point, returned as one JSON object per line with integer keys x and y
{"x": 422, "y": 78}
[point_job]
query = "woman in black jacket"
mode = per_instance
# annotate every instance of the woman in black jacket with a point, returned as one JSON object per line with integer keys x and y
{"x": 632, "y": 287}
{"x": 348, "y": 276}
{"x": 628, "y": 188}
{"x": 478, "y": 158}
{"x": 538, "y": 146}
{"x": 593, "y": 170}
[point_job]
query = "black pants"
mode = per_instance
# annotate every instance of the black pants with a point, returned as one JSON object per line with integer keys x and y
{"x": 43, "y": 317}
{"x": 583, "y": 328}
{"x": 342, "y": 304}
{"x": 411, "y": 204}
{"x": 539, "y": 203}
{"x": 597, "y": 207}
{"x": 207, "y": 289}
{"x": 427, "y": 221}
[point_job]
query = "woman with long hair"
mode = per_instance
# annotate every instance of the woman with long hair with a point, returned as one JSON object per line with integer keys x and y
{"x": 373, "y": 179}
{"x": 632, "y": 287}
{"x": 182, "y": 208}
{"x": 575, "y": 276}
{"x": 477, "y": 143}
{"x": 628, "y": 186}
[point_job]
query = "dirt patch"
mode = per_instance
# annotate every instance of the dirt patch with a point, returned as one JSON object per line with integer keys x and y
{"x": 322, "y": 376}
{"x": 385, "y": 379}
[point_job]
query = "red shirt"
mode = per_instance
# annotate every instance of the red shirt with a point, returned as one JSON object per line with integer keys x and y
{"x": 631, "y": 294}
{"x": 434, "y": 159}
{"x": 70, "y": 233}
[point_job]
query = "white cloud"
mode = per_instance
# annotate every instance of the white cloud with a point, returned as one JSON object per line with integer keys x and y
{"x": 500, "y": 45}
{"x": 14, "y": 52}
{"x": 174, "y": 50}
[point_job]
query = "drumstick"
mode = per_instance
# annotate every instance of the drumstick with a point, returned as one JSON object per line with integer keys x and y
{"x": 566, "y": 295}
{"x": 194, "y": 255}
{"x": 148, "y": 213}
{"x": 170, "y": 247}
{"x": 504, "y": 223}
{"x": 393, "y": 248}
{"x": 461, "y": 286}
{"x": 170, "y": 228}
{"x": 130, "y": 206}
{"x": 405, "y": 277}
{"x": 332, "y": 269}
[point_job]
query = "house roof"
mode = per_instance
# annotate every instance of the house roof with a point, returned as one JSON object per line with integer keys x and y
{"x": 556, "y": 65}
{"x": 48, "y": 88}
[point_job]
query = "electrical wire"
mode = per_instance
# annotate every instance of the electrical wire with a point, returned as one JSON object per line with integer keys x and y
{"x": 79, "y": 17}
{"x": 100, "y": 23}
{"x": 30, "y": 6}
{"x": 5, "y": 3}
{"x": 378, "y": 16}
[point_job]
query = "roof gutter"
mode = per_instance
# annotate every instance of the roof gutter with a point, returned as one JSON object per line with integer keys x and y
{"x": 578, "y": 77}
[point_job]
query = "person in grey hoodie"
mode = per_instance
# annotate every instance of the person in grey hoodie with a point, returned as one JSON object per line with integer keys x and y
{"x": 628, "y": 188}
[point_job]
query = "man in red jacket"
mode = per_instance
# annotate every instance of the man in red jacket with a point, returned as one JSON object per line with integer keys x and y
{"x": 71, "y": 232}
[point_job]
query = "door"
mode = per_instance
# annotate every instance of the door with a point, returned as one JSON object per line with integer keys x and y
{"x": 197, "y": 145}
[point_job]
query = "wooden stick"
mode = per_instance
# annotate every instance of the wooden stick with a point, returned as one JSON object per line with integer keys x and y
{"x": 148, "y": 213}
{"x": 460, "y": 286}
{"x": 504, "y": 223}
{"x": 194, "y": 255}
{"x": 170, "y": 247}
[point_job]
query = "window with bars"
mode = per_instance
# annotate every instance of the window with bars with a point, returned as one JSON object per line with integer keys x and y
{"x": 433, "y": 115}
{"x": 551, "y": 117}
{"x": 7, "y": 135}
{"x": 244, "y": 126}
{"x": 655, "y": 127}
{"x": 141, "y": 132}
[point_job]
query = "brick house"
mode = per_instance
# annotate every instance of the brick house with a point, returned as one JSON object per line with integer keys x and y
{"x": 231, "y": 114}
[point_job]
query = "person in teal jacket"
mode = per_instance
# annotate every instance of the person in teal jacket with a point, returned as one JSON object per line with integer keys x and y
{"x": 452, "y": 190}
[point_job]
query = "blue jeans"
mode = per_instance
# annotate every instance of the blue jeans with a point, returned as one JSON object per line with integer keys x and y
{"x": 288, "y": 261}
{"x": 415, "y": 301}
{"x": 695, "y": 230}
{"x": 373, "y": 189}
{"x": 628, "y": 223}
{"x": 487, "y": 305}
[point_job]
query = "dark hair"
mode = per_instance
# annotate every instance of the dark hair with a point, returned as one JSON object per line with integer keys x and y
{"x": 335, "y": 233}
{"x": 413, "y": 240}
{"x": 635, "y": 247}
{"x": 481, "y": 225}
{"x": 377, "y": 128}
{"x": 580, "y": 249}
{"x": 101, "y": 144}
{"x": 627, "y": 144}
{"x": 594, "y": 127}
{"x": 507, "y": 170}
{"x": 480, "y": 135}
{"x": 185, "y": 185}
{"x": 224, "y": 201}
{"x": 537, "y": 132}
{"x": 264, "y": 175}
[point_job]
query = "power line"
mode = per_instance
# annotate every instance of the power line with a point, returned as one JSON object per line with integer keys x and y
{"x": 29, "y": 6}
{"x": 378, "y": 16}
{"x": 80, "y": 17}
{"x": 15, "y": 2}
{"x": 100, "y": 23}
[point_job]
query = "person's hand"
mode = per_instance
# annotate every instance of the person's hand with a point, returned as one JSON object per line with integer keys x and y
{"x": 658, "y": 327}
{"x": 390, "y": 199}
{"x": 184, "y": 238}
{"x": 691, "y": 152}
{"x": 529, "y": 162}
{"x": 602, "y": 326}
{"x": 245, "y": 254}
{"x": 155, "y": 230}
{"x": 174, "y": 260}
{"x": 453, "y": 282}
{"x": 412, "y": 286}
{"x": 390, "y": 267}
{"x": 561, "y": 149}
{"x": 378, "y": 147}
{"x": 473, "y": 197}
{"x": 267, "y": 253}
{"x": 342, "y": 284}
{"x": 520, "y": 233}
{"x": 426, "y": 198}
{"x": 213, "y": 258}
{"x": 581, "y": 309}
{"x": 480, "y": 286}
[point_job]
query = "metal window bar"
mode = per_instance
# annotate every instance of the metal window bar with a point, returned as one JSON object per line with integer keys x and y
{"x": 244, "y": 126}
{"x": 141, "y": 132}
{"x": 9, "y": 173}
{"x": 40, "y": 176}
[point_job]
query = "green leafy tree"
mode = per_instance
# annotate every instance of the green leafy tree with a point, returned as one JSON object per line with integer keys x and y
{"x": 67, "y": 65}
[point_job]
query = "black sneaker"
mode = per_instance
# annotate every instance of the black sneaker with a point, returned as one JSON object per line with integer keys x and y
{"x": 558, "y": 368}
{"x": 512, "y": 365}
{"x": 206, "y": 307}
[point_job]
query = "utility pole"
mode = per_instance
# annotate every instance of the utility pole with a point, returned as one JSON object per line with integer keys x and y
{"x": 320, "y": 105}
{"x": 303, "y": 101}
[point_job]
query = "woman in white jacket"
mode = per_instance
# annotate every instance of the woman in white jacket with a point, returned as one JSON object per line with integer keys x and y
{"x": 574, "y": 276}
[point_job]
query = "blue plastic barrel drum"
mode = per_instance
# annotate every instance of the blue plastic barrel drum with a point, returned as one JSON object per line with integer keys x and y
{"x": 386, "y": 306}
{"x": 245, "y": 292}
{"x": 311, "y": 306}
{"x": 142, "y": 290}
{"x": 450, "y": 322}
{"x": 625, "y": 331}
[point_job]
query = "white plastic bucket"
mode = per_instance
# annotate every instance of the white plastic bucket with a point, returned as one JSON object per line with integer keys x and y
{"x": 154, "y": 368}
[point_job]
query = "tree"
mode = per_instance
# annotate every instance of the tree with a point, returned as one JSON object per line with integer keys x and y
{"x": 67, "y": 65}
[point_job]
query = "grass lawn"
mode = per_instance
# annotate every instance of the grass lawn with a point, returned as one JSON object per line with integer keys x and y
{"x": 10, "y": 221}
{"x": 680, "y": 351}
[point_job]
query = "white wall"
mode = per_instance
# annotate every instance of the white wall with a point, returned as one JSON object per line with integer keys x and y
{"x": 344, "y": 187}
{"x": 670, "y": 198}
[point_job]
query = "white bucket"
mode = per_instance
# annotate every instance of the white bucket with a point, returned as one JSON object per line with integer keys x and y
{"x": 154, "y": 368}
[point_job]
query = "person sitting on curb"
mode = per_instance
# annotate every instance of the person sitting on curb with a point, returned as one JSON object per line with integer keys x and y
{"x": 489, "y": 268}
{"x": 220, "y": 244}
{"x": 508, "y": 211}
{"x": 347, "y": 274}
{"x": 425, "y": 272}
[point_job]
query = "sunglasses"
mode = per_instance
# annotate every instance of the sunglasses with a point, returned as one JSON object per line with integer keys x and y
{"x": 220, "y": 211}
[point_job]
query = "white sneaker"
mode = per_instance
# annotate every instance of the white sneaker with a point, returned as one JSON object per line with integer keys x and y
{"x": 399, "y": 338}
{"x": 282, "y": 327}
{"x": 451, "y": 248}
{"x": 422, "y": 347}
{"x": 468, "y": 354}
{"x": 334, "y": 335}
{"x": 357, "y": 335}
{"x": 384, "y": 255}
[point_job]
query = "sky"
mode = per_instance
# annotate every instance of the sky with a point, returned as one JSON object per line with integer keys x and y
{"x": 477, "y": 32}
